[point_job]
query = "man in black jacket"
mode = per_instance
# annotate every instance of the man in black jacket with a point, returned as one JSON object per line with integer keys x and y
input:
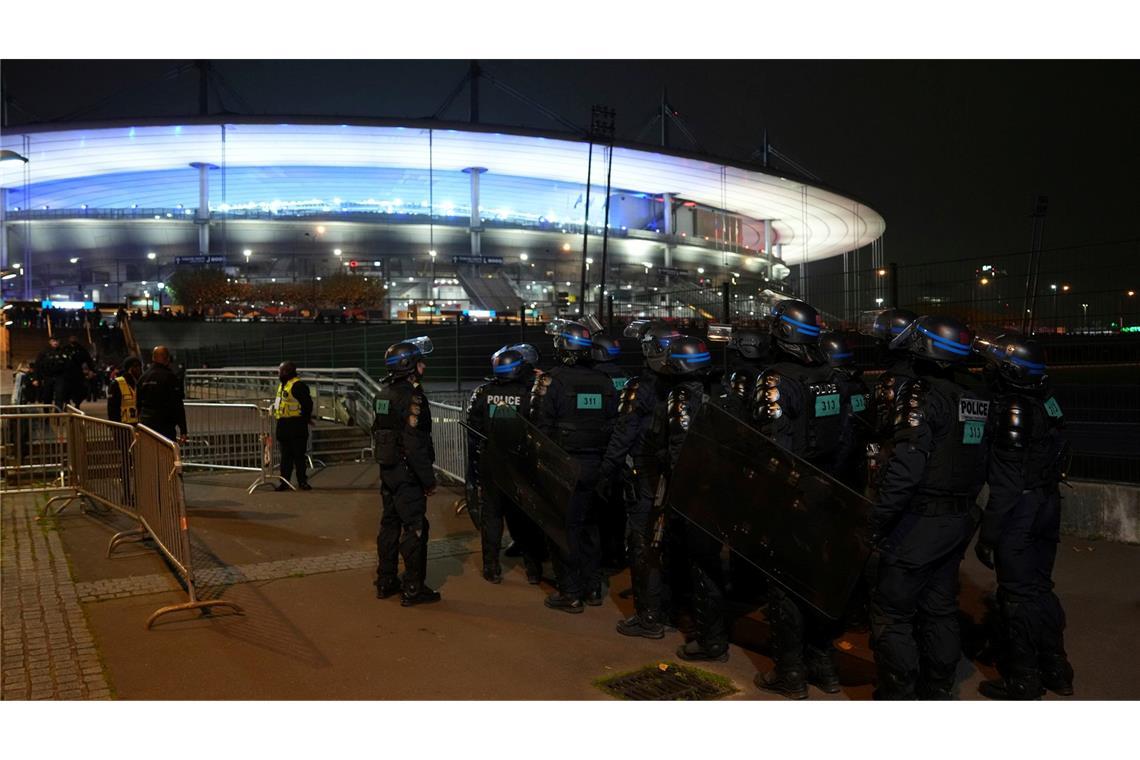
{"x": 402, "y": 431}
{"x": 51, "y": 375}
{"x": 160, "y": 398}
{"x": 293, "y": 410}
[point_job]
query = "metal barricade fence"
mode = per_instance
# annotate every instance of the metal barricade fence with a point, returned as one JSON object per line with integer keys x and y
{"x": 100, "y": 457}
{"x": 232, "y": 437}
{"x": 162, "y": 511}
{"x": 33, "y": 450}
{"x": 449, "y": 439}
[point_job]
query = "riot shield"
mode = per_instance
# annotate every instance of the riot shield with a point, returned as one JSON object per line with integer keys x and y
{"x": 530, "y": 470}
{"x": 794, "y": 522}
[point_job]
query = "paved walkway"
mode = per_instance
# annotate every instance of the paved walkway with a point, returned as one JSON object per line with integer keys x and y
{"x": 48, "y": 650}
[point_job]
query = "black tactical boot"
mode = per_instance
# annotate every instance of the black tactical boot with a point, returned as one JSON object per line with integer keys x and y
{"x": 821, "y": 672}
{"x": 571, "y": 604}
{"x": 385, "y": 589}
{"x": 423, "y": 596}
{"x": 492, "y": 574}
{"x": 1022, "y": 688}
{"x": 595, "y": 595}
{"x": 693, "y": 651}
{"x": 1057, "y": 675}
{"x": 646, "y": 627}
{"x": 787, "y": 683}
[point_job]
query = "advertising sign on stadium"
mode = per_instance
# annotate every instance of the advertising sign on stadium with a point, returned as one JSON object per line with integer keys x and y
{"x": 200, "y": 260}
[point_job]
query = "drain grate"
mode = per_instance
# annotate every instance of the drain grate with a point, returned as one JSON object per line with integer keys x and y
{"x": 667, "y": 681}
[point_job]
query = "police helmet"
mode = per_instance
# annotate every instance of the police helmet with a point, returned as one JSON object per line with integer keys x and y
{"x": 129, "y": 363}
{"x": 1017, "y": 360}
{"x": 573, "y": 341}
{"x": 401, "y": 358}
{"x": 686, "y": 354}
{"x": 837, "y": 350}
{"x": 605, "y": 349}
{"x": 939, "y": 338}
{"x": 655, "y": 339}
{"x": 510, "y": 362}
{"x": 891, "y": 322}
{"x": 748, "y": 342}
{"x": 795, "y": 322}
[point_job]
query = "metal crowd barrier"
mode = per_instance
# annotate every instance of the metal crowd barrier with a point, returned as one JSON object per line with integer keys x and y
{"x": 234, "y": 437}
{"x": 162, "y": 512}
{"x": 33, "y": 449}
{"x": 449, "y": 439}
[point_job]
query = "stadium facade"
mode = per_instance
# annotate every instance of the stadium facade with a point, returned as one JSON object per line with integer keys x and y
{"x": 105, "y": 212}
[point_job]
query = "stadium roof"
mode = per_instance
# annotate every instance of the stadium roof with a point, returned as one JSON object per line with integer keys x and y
{"x": 812, "y": 222}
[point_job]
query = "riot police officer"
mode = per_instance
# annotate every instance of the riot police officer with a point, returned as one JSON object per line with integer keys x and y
{"x": 798, "y": 404}
{"x": 746, "y": 349}
{"x": 1021, "y": 523}
{"x": 924, "y": 515}
{"x": 575, "y": 405}
{"x": 849, "y": 466}
{"x": 891, "y": 385}
{"x": 51, "y": 374}
{"x": 611, "y": 511}
{"x": 513, "y": 371}
{"x": 641, "y": 432}
{"x": 402, "y": 432}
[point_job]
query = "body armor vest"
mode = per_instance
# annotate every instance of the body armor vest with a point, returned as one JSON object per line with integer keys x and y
{"x": 400, "y": 404}
{"x": 1030, "y": 426}
{"x": 957, "y": 466}
{"x": 811, "y": 431}
{"x": 129, "y": 406}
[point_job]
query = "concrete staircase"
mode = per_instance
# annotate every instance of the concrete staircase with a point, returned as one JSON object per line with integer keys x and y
{"x": 490, "y": 290}
{"x": 340, "y": 443}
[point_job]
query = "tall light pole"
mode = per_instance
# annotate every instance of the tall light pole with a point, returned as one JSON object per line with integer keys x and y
{"x": 434, "y": 291}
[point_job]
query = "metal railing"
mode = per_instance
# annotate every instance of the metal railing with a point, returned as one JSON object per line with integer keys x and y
{"x": 233, "y": 437}
{"x": 344, "y": 395}
{"x": 162, "y": 512}
{"x": 33, "y": 449}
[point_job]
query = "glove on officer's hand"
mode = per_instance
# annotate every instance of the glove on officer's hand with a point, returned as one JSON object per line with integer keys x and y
{"x": 985, "y": 554}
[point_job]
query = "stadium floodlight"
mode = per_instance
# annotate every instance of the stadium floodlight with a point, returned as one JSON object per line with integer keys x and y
{"x": 152, "y": 255}
{"x": 74, "y": 260}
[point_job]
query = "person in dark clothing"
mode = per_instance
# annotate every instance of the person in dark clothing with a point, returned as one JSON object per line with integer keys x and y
{"x": 798, "y": 404}
{"x": 745, "y": 351}
{"x": 79, "y": 370}
{"x": 642, "y": 433}
{"x": 848, "y": 466}
{"x": 51, "y": 371}
{"x": 293, "y": 410}
{"x": 924, "y": 515}
{"x": 404, "y": 450}
{"x": 575, "y": 405}
{"x": 611, "y": 511}
{"x": 509, "y": 389}
{"x": 160, "y": 398}
{"x": 892, "y": 384}
{"x": 1021, "y": 524}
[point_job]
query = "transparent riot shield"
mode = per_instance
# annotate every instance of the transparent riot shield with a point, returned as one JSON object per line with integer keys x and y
{"x": 531, "y": 470}
{"x": 798, "y": 525}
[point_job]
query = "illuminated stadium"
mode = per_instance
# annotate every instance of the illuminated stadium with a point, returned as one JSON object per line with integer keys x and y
{"x": 105, "y": 212}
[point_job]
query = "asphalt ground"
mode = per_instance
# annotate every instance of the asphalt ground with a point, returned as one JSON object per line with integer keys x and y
{"x": 313, "y": 629}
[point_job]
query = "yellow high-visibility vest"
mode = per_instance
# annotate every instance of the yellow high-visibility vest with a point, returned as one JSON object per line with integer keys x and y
{"x": 129, "y": 405}
{"x": 285, "y": 405}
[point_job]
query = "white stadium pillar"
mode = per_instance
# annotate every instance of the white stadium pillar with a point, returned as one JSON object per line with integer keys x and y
{"x": 202, "y": 217}
{"x": 476, "y": 225}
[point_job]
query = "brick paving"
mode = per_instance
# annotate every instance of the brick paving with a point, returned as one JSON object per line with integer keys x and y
{"x": 48, "y": 650}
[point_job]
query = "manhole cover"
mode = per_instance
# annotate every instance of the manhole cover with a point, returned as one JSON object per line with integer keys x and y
{"x": 667, "y": 681}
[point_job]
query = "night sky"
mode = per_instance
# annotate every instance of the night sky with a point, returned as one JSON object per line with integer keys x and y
{"x": 950, "y": 152}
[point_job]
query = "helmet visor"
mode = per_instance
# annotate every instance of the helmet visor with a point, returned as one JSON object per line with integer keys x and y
{"x": 423, "y": 343}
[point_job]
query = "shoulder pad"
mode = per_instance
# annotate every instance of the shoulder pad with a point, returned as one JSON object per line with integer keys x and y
{"x": 679, "y": 407}
{"x": 766, "y": 397}
{"x": 910, "y": 407}
{"x": 475, "y": 394}
{"x": 628, "y": 401}
{"x": 739, "y": 384}
{"x": 1014, "y": 423}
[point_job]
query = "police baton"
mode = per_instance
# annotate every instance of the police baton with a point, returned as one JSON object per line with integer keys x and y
{"x": 470, "y": 429}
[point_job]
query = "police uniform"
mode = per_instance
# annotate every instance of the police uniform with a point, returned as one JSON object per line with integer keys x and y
{"x": 924, "y": 516}
{"x": 51, "y": 370}
{"x": 493, "y": 507}
{"x": 575, "y": 405}
{"x": 404, "y": 450}
{"x": 1019, "y": 537}
{"x": 612, "y": 509}
{"x": 806, "y": 411}
{"x": 293, "y": 408}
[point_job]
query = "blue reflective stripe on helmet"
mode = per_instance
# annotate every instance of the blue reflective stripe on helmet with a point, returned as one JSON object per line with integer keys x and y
{"x": 810, "y": 330}
{"x": 613, "y": 350}
{"x": 400, "y": 357}
{"x": 945, "y": 343}
{"x": 1034, "y": 368}
{"x": 896, "y": 329}
{"x": 698, "y": 358}
{"x": 503, "y": 368}
{"x": 584, "y": 342}
{"x": 846, "y": 355}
